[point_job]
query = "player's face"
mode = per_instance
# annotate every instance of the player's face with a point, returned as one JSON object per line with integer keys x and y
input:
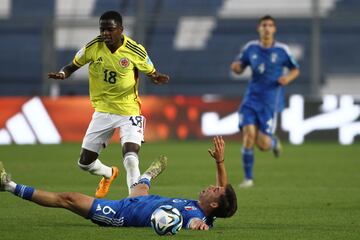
{"x": 211, "y": 194}
{"x": 266, "y": 29}
{"x": 110, "y": 32}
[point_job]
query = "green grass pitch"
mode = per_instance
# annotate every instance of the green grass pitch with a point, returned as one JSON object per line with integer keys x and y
{"x": 311, "y": 192}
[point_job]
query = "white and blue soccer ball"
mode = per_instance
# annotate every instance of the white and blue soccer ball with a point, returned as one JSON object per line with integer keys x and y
{"x": 166, "y": 220}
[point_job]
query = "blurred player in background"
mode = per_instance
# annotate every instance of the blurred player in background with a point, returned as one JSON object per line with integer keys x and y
{"x": 264, "y": 97}
{"x": 135, "y": 211}
{"x": 114, "y": 64}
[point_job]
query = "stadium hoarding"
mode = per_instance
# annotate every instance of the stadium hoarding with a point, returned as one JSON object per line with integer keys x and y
{"x": 31, "y": 120}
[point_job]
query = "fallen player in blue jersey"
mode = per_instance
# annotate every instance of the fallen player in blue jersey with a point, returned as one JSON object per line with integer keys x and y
{"x": 135, "y": 211}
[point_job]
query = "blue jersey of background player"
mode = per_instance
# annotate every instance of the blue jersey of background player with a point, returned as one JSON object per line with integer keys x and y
{"x": 264, "y": 96}
{"x": 135, "y": 210}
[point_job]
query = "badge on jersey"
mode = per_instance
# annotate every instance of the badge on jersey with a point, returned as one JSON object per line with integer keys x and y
{"x": 274, "y": 57}
{"x": 189, "y": 208}
{"x": 124, "y": 62}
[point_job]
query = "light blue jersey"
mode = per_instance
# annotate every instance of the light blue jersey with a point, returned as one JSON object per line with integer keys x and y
{"x": 136, "y": 212}
{"x": 267, "y": 65}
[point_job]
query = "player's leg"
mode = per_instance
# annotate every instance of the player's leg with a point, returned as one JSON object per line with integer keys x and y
{"x": 132, "y": 135}
{"x": 97, "y": 135}
{"x": 249, "y": 133}
{"x": 141, "y": 188}
{"x": 247, "y": 124}
{"x": 267, "y": 142}
{"x": 75, "y": 202}
{"x": 131, "y": 162}
{"x": 265, "y": 139}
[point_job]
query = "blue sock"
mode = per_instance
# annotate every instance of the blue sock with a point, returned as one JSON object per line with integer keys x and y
{"x": 144, "y": 181}
{"x": 24, "y": 192}
{"x": 248, "y": 162}
{"x": 273, "y": 142}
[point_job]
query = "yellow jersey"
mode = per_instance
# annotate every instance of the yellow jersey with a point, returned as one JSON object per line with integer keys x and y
{"x": 113, "y": 77}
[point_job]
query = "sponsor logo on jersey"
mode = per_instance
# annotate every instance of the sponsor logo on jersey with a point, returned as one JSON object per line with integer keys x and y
{"x": 124, "y": 62}
{"x": 189, "y": 208}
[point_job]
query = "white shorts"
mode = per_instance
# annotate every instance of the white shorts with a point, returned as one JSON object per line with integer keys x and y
{"x": 103, "y": 125}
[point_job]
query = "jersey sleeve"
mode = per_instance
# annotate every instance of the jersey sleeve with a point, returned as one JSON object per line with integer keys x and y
{"x": 290, "y": 61}
{"x": 243, "y": 56}
{"x": 142, "y": 60}
{"x": 188, "y": 216}
{"x": 81, "y": 57}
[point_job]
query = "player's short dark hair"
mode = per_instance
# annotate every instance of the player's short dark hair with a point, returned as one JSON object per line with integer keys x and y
{"x": 267, "y": 17}
{"x": 227, "y": 203}
{"x": 112, "y": 15}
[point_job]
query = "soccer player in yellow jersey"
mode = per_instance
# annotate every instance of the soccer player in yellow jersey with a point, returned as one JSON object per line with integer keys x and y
{"x": 114, "y": 62}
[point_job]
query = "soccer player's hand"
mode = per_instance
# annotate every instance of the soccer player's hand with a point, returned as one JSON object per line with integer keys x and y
{"x": 218, "y": 152}
{"x": 56, "y": 75}
{"x": 197, "y": 224}
{"x": 236, "y": 67}
{"x": 284, "y": 80}
{"x": 159, "y": 78}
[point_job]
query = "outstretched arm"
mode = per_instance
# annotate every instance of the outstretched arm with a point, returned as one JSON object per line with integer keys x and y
{"x": 218, "y": 154}
{"x": 64, "y": 72}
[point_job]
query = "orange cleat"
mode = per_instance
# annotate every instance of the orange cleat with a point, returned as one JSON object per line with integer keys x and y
{"x": 104, "y": 184}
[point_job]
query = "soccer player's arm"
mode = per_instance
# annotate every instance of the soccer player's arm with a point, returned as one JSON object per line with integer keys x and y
{"x": 240, "y": 63}
{"x": 294, "y": 67}
{"x": 145, "y": 65}
{"x": 193, "y": 220}
{"x": 218, "y": 155}
{"x": 291, "y": 76}
{"x": 66, "y": 71}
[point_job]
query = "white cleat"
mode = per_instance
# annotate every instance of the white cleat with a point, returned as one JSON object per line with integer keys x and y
{"x": 247, "y": 183}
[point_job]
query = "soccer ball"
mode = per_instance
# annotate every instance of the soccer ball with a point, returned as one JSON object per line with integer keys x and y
{"x": 166, "y": 220}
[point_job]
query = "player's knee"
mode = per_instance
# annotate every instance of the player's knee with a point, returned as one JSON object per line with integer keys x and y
{"x": 131, "y": 147}
{"x": 131, "y": 160}
{"x": 249, "y": 139}
{"x": 249, "y": 136}
{"x": 65, "y": 199}
{"x": 262, "y": 148}
{"x": 87, "y": 158}
{"x": 264, "y": 144}
{"x": 139, "y": 190}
